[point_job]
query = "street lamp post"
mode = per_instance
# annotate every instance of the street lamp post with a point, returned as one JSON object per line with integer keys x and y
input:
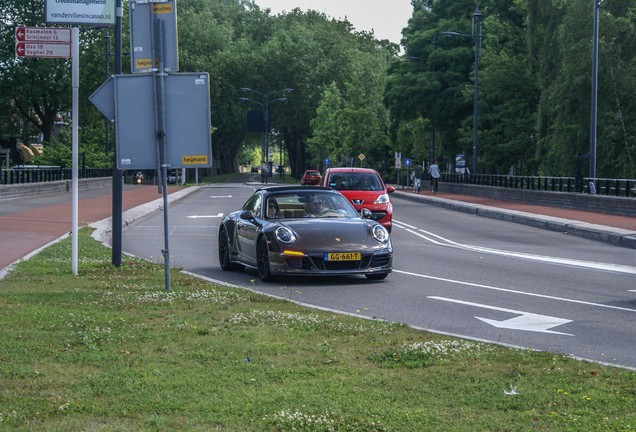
{"x": 593, "y": 121}
{"x": 265, "y": 107}
{"x": 476, "y": 35}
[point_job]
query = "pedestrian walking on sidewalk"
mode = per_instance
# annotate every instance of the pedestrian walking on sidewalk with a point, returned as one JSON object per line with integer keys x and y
{"x": 433, "y": 170}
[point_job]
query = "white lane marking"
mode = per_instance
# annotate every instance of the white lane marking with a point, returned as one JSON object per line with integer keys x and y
{"x": 221, "y": 196}
{"x": 218, "y": 215}
{"x": 526, "y": 321}
{"x": 507, "y": 290}
{"x": 439, "y": 240}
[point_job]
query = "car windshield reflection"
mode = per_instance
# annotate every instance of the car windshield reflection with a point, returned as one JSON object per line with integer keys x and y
{"x": 354, "y": 181}
{"x": 309, "y": 205}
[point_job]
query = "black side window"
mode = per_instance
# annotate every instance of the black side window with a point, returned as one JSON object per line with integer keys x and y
{"x": 254, "y": 204}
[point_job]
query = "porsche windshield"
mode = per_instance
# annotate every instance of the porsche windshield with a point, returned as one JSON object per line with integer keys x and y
{"x": 314, "y": 204}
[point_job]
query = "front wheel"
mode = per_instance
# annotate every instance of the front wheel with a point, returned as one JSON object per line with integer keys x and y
{"x": 224, "y": 253}
{"x": 262, "y": 257}
{"x": 376, "y": 276}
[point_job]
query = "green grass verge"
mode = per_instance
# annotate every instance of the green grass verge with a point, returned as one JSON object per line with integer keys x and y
{"x": 111, "y": 350}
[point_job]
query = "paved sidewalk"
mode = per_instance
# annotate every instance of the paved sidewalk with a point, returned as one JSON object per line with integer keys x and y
{"x": 30, "y": 224}
{"x": 612, "y": 229}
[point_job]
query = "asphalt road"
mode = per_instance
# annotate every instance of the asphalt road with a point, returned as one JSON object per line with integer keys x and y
{"x": 453, "y": 273}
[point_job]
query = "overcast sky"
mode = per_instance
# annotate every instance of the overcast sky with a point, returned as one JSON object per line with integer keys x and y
{"x": 386, "y": 18}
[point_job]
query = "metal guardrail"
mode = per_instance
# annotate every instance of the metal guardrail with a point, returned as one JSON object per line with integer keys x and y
{"x": 599, "y": 186}
{"x": 38, "y": 175}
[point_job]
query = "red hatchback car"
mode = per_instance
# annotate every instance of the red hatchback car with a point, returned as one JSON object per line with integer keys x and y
{"x": 364, "y": 188}
{"x": 311, "y": 177}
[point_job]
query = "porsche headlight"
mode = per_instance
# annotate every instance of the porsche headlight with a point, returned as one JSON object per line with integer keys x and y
{"x": 285, "y": 235}
{"x": 380, "y": 233}
{"x": 382, "y": 199}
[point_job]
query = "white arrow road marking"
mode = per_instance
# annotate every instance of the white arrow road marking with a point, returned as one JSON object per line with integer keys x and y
{"x": 218, "y": 215}
{"x": 439, "y": 240}
{"x": 221, "y": 196}
{"x": 526, "y": 321}
{"x": 494, "y": 288}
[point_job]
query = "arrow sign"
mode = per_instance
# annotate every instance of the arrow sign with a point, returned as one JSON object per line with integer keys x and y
{"x": 36, "y": 49}
{"x": 43, "y": 34}
{"x": 526, "y": 321}
{"x": 104, "y": 98}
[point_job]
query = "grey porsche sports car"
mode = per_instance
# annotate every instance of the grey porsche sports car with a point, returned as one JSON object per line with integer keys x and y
{"x": 308, "y": 230}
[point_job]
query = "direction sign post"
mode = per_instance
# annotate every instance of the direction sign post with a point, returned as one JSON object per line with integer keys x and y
{"x": 57, "y": 43}
{"x": 45, "y": 42}
{"x": 45, "y": 50}
{"x": 43, "y": 34}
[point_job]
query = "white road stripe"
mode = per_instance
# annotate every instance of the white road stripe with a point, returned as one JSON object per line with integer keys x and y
{"x": 511, "y": 291}
{"x": 436, "y": 239}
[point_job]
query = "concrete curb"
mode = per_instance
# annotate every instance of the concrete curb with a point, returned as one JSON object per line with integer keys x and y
{"x": 601, "y": 233}
{"x": 103, "y": 228}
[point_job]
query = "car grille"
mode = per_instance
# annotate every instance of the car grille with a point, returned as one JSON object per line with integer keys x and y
{"x": 317, "y": 262}
{"x": 380, "y": 260}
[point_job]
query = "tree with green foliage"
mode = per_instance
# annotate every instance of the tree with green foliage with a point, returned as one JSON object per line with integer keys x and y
{"x": 354, "y": 94}
{"x": 35, "y": 92}
{"x": 534, "y": 83}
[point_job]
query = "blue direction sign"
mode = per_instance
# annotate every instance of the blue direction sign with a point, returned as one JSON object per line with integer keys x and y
{"x": 326, "y": 161}
{"x": 407, "y": 162}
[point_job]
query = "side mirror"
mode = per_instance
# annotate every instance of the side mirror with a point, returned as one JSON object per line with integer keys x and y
{"x": 247, "y": 215}
{"x": 390, "y": 189}
{"x": 366, "y": 213}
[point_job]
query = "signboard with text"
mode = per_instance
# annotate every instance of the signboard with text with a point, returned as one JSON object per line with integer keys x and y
{"x": 43, "y": 34}
{"x": 143, "y": 17}
{"x": 128, "y": 99}
{"x": 36, "y": 49}
{"x": 43, "y": 42}
{"x": 100, "y": 12}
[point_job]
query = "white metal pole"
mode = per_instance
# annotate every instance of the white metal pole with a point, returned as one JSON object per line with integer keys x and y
{"x": 594, "y": 93}
{"x": 75, "y": 151}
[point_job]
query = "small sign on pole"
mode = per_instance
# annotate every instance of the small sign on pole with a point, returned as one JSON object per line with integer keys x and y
{"x": 42, "y": 34}
{"x": 47, "y": 50}
{"x": 142, "y": 17}
{"x": 43, "y": 42}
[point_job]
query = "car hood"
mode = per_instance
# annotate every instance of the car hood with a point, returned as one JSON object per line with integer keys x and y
{"x": 366, "y": 197}
{"x": 336, "y": 233}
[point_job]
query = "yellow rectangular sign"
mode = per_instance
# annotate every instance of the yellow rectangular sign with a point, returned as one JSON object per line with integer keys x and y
{"x": 162, "y": 8}
{"x": 343, "y": 256}
{"x": 145, "y": 63}
{"x": 195, "y": 160}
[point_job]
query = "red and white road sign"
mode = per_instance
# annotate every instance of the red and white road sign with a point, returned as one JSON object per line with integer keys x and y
{"x": 43, "y": 34}
{"x": 50, "y": 50}
{"x": 43, "y": 42}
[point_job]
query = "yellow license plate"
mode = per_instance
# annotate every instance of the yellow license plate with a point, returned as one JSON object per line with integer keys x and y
{"x": 343, "y": 256}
